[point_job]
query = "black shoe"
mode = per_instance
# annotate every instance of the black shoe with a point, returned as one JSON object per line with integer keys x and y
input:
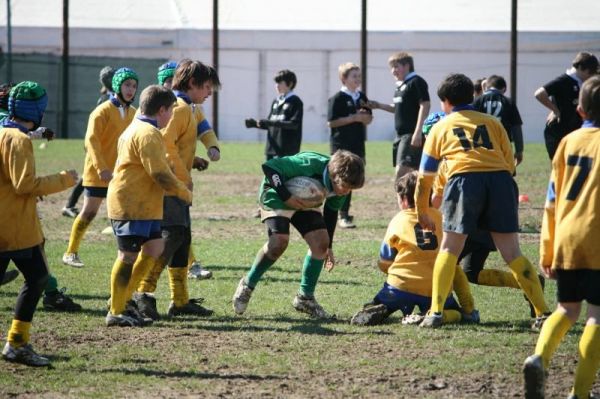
{"x": 60, "y": 302}
{"x": 9, "y": 276}
{"x": 531, "y": 308}
{"x": 192, "y": 308}
{"x": 132, "y": 311}
{"x": 146, "y": 304}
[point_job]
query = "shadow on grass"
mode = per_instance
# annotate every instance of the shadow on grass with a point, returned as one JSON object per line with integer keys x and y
{"x": 292, "y": 280}
{"x": 191, "y": 374}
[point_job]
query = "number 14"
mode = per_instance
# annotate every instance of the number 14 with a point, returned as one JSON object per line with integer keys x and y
{"x": 481, "y": 138}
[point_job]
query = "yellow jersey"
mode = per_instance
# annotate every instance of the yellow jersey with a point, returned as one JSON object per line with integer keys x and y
{"x": 408, "y": 252}
{"x": 142, "y": 175}
{"x": 468, "y": 141}
{"x": 204, "y": 131}
{"x": 19, "y": 190}
{"x": 571, "y": 223}
{"x": 105, "y": 125}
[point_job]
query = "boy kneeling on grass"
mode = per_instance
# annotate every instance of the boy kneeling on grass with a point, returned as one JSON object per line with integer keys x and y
{"x": 135, "y": 201}
{"x": 407, "y": 256}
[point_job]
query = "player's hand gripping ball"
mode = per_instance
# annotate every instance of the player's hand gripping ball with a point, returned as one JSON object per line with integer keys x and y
{"x": 309, "y": 190}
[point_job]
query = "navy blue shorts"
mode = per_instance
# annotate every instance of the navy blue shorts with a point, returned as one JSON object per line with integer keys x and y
{"x": 396, "y": 299}
{"x": 481, "y": 201}
{"x": 99, "y": 192}
{"x": 578, "y": 286}
{"x": 132, "y": 234}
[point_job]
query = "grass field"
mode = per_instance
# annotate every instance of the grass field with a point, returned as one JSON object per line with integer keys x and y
{"x": 273, "y": 351}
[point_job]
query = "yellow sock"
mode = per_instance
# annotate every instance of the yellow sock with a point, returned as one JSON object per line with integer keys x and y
{"x": 142, "y": 266}
{"x": 529, "y": 282}
{"x": 554, "y": 329}
{"x": 191, "y": 256}
{"x": 178, "y": 284}
{"x": 149, "y": 282}
{"x": 589, "y": 360}
{"x": 119, "y": 280}
{"x": 77, "y": 232}
{"x": 497, "y": 278}
{"x": 463, "y": 290}
{"x": 18, "y": 335}
{"x": 451, "y": 316}
{"x": 443, "y": 274}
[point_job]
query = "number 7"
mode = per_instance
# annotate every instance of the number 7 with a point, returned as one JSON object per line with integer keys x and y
{"x": 585, "y": 163}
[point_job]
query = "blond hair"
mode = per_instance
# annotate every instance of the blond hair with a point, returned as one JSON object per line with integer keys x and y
{"x": 345, "y": 69}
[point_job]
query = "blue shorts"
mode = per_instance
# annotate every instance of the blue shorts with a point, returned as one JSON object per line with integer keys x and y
{"x": 132, "y": 234}
{"x": 396, "y": 299}
{"x": 99, "y": 192}
{"x": 481, "y": 201}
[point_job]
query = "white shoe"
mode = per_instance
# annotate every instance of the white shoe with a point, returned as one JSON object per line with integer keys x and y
{"x": 241, "y": 297}
{"x": 199, "y": 273}
{"x": 346, "y": 223}
{"x": 72, "y": 259}
{"x": 70, "y": 212}
{"x": 431, "y": 320}
{"x": 310, "y": 306}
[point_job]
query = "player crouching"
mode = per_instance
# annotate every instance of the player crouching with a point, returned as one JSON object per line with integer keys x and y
{"x": 407, "y": 256}
{"x": 339, "y": 174}
{"x": 135, "y": 200}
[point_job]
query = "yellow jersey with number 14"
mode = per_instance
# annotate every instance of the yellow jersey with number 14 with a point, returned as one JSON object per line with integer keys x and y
{"x": 571, "y": 224}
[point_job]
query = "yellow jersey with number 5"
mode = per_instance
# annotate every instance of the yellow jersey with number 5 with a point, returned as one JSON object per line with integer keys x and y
{"x": 571, "y": 224}
{"x": 408, "y": 252}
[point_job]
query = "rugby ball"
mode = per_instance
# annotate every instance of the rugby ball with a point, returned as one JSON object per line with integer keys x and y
{"x": 307, "y": 189}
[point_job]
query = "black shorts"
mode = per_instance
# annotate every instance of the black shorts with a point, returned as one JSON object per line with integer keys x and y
{"x": 132, "y": 234}
{"x": 303, "y": 221}
{"x": 177, "y": 245}
{"x": 474, "y": 254}
{"x": 98, "y": 192}
{"x": 176, "y": 212}
{"x": 404, "y": 154}
{"x": 578, "y": 285}
{"x": 481, "y": 201}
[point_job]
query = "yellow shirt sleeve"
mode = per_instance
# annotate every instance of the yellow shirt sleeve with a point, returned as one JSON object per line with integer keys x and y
{"x": 154, "y": 161}
{"x": 22, "y": 172}
{"x": 177, "y": 126}
{"x": 93, "y": 141}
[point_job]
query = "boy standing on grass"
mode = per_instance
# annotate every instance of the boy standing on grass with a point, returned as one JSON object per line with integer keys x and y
{"x": 284, "y": 123}
{"x": 569, "y": 249}
{"x": 135, "y": 200}
{"x": 480, "y": 194}
{"x": 348, "y": 118}
{"x": 340, "y": 174}
{"x": 105, "y": 125}
{"x": 407, "y": 256}
{"x": 411, "y": 107}
{"x": 193, "y": 83}
{"x": 21, "y": 236}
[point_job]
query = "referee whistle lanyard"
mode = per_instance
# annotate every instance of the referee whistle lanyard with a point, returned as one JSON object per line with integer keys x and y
{"x": 12, "y": 124}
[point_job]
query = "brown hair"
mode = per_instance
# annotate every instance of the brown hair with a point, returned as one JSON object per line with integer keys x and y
{"x": 201, "y": 73}
{"x": 402, "y": 58}
{"x": 347, "y": 169}
{"x": 589, "y": 99}
{"x": 405, "y": 186}
{"x": 154, "y": 97}
{"x": 345, "y": 69}
{"x": 586, "y": 62}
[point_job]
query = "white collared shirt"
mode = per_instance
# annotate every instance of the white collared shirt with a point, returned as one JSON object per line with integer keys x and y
{"x": 354, "y": 94}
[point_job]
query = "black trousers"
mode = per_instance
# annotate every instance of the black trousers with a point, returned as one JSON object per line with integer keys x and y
{"x": 32, "y": 264}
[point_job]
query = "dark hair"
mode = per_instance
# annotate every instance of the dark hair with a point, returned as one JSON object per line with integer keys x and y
{"x": 586, "y": 62}
{"x": 347, "y": 169}
{"x": 154, "y": 97}
{"x": 405, "y": 186}
{"x": 589, "y": 99}
{"x": 201, "y": 73}
{"x": 4, "y": 93}
{"x": 402, "y": 58}
{"x": 496, "y": 82}
{"x": 457, "y": 89}
{"x": 286, "y": 76}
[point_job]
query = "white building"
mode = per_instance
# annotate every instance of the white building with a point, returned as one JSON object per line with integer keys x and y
{"x": 260, "y": 37}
